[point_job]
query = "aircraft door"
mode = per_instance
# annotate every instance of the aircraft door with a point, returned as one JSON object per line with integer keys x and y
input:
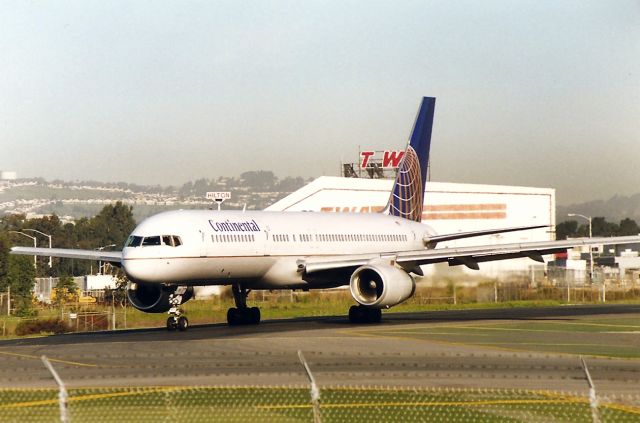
{"x": 202, "y": 245}
{"x": 262, "y": 240}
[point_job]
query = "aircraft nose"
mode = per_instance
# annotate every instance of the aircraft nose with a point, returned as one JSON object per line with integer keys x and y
{"x": 139, "y": 269}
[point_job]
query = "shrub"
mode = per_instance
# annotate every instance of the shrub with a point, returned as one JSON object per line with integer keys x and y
{"x": 35, "y": 327}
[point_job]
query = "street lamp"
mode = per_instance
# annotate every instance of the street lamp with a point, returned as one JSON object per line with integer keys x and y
{"x": 35, "y": 264}
{"x": 48, "y": 236}
{"x": 50, "y": 258}
{"x": 590, "y": 247}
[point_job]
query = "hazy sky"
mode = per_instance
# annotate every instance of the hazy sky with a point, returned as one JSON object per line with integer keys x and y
{"x": 534, "y": 93}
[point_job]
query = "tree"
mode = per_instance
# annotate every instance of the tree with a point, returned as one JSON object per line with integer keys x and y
{"x": 261, "y": 180}
{"x": 601, "y": 227}
{"x": 4, "y": 261}
{"x": 628, "y": 227}
{"x": 117, "y": 295}
{"x": 112, "y": 225}
{"x": 566, "y": 229}
{"x": 290, "y": 184}
{"x": 66, "y": 291}
{"x": 21, "y": 277}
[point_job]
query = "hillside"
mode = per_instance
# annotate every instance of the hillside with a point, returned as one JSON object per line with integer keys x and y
{"x": 614, "y": 209}
{"x": 73, "y": 200}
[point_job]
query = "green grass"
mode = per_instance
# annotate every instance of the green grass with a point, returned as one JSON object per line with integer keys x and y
{"x": 335, "y": 303}
{"x": 200, "y": 404}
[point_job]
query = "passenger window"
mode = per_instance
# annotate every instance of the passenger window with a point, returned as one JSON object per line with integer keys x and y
{"x": 151, "y": 241}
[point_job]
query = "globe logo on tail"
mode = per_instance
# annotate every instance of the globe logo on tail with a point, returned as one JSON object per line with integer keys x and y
{"x": 407, "y": 197}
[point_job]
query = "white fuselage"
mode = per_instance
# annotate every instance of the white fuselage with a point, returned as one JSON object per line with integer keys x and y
{"x": 260, "y": 249}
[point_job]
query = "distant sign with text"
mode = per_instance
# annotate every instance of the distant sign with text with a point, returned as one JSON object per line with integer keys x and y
{"x": 390, "y": 158}
{"x": 218, "y": 196}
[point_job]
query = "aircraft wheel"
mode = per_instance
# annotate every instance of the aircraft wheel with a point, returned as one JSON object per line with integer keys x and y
{"x": 374, "y": 315}
{"x": 254, "y": 314}
{"x": 360, "y": 314}
{"x": 356, "y": 314}
{"x": 183, "y": 323}
{"x": 232, "y": 316}
{"x": 171, "y": 324}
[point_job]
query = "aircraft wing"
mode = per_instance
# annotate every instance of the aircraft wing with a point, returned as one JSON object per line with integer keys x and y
{"x": 468, "y": 256}
{"x": 114, "y": 257}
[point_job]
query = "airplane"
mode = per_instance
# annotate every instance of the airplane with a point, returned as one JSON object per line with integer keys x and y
{"x": 376, "y": 254}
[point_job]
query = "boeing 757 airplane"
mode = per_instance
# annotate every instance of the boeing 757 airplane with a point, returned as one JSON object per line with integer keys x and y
{"x": 375, "y": 254}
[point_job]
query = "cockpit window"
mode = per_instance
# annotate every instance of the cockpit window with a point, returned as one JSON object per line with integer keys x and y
{"x": 151, "y": 241}
{"x": 134, "y": 241}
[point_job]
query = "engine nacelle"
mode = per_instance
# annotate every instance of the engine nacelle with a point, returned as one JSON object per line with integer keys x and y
{"x": 154, "y": 297}
{"x": 381, "y": 285}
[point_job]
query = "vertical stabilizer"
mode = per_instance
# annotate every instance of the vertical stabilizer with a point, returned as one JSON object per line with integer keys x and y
{"x": 406, "y": 198}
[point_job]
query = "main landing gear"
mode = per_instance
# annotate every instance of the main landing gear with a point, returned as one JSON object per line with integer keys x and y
{"x": 361, "y": 314}
{"x": 241, "y": 314}
{"x": 176, "y": 320}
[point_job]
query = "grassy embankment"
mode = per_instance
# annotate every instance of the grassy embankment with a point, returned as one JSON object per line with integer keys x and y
{"x": 316, "y": 303}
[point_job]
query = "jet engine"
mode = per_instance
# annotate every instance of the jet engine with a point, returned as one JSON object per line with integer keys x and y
{"x": 154, "y": 297}
{"x": 381, "y": 285}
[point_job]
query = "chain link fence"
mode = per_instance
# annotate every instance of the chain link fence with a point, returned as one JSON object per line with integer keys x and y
{"x": 293, "y": 403}
{"x": 324, "y": 402}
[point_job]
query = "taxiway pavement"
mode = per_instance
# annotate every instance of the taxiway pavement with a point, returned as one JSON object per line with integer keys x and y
{"x": 338, "y": 353}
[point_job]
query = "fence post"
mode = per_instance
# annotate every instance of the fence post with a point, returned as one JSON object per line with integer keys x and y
{"x": 113, "y": 309}
{"x": 315, "y": 392}
{"x": 593, "y": 399}
{"x": 62, "y": 395}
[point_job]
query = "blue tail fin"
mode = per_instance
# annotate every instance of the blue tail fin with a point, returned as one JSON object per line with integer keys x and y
{"x": 407, "y": 197}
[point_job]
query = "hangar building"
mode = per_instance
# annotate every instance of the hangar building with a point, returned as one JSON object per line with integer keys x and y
{"x": 448, "y": 208}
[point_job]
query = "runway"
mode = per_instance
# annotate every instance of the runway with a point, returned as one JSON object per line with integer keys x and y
{"x": 458, "y": 349}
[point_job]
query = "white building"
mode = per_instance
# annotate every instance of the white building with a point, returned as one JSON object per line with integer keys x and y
{"x": 448, "y": 208}
{"x": 8, "y": 175}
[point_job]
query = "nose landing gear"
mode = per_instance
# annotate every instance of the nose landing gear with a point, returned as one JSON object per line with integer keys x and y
{"x": 241, "y": 314}
{"x": 176, "y": 320}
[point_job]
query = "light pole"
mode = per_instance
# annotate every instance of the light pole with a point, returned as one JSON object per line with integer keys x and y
{"x": 50, "y": 258}
{"x": 100, "y": 261}
{"x": 590, "y": 247}
{"x": 48, "y": 236}
{"x": 35, "y": 264}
